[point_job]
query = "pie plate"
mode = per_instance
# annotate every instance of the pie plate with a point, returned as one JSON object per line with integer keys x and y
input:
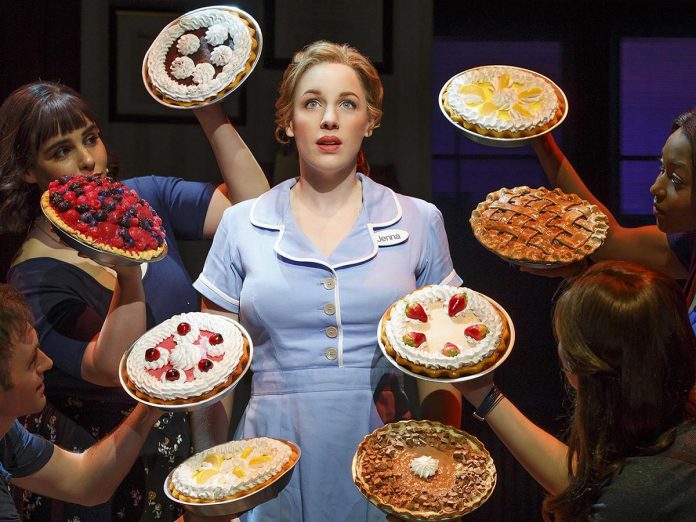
{"x": 241, "y": 504}
{"x": 407, "y": 516}
{"x": 492, "y": 141}
{"x": 500, "y": 361}
{"x": 103, "y": 257}
{"x": 193, "y": 405}
{"x": 216, "y": 98}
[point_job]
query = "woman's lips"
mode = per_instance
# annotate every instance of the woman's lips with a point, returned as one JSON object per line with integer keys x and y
{"x": 329, "y": 143}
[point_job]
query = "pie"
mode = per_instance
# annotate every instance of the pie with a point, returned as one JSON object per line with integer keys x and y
{"x": 232, "y": 470}
{"x": 201, "y": 56}
{"x": 104, "y": 214}
{"x": 539, "y": 226}
{"x": 445, "y": 331}
{"x": 424, "y": 470}
{"x": 186, "y": 359}
{"x": 503, "y": 101}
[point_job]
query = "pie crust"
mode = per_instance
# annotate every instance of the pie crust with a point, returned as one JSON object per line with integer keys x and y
{"x": 230, "y": 451}
{"x": 179, "y": 73}
{"x": 230, "y": 363}
{"x": 503, "y": 101}
{"x": 106, "y": 215}
{"x": 429, "y": 359}
{"x": 463, "y": 480}
{"x": 539, "y": 226}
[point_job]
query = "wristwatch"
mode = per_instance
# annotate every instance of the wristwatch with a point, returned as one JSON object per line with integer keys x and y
{"x": 490, "y": 401}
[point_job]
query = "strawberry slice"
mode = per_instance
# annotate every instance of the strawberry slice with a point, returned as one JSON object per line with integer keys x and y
{"x": 476, "y": 331}
{"x": 457, "y": 303}
{"x": 416, "y": 311}
{"x": 414, "y": 339}
{"x": 450, "y": 350}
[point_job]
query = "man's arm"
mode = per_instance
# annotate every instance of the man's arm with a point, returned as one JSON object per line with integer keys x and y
{"x": 90, "y": 478}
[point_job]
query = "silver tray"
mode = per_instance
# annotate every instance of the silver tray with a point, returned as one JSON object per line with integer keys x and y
{"x": 190, "y": 406}
{"x": 492, "y": 141}
{"x": 241, "y": 504}
{"x": 103, "y": 257}
{"x": 196, "y": 104}
{"x": 500, "y": 361}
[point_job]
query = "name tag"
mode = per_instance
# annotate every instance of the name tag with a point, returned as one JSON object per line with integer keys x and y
{"x": 390, "y": 237}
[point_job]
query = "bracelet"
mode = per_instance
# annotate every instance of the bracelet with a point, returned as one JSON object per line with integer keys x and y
{"x": 491, "y": 400}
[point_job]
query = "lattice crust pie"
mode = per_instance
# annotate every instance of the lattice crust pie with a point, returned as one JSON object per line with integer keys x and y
{"x": 503, "y": 101}
{"x": 445, "y": 331}
{"x": 539, "y": 226}
{"x": 186, "y": 359}
{"x": 232, "y": 470}
{"x": 422, "y": 470}
{"x": 201, "y": 56}
{"x": 104, "y": 214}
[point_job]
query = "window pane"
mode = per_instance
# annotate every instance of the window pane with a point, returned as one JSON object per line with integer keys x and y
{"x": 655, "y": 75}
{"x": 636, "y": 178}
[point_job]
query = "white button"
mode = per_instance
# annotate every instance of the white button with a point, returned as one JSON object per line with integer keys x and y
{"x": 329, "y": 309}
{"x": 329, "y": 283}
{"x": 331, "y": 354}
{"x": 331, "y": 331}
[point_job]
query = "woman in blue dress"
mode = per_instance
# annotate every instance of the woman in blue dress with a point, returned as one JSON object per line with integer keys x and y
{"x": 47, "y": 130}
{"x": 309, "y": 268}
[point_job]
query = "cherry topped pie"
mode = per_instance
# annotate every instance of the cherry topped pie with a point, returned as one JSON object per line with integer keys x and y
{"x": 106, "y": 215}
{"x": 539, "y": 226}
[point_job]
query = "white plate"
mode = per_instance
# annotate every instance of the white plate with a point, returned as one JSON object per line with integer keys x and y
{"x": 194, "y": 104}
{"x": 455, "y": 379}
{"x": 191, "y": 406}
{"x": 241, "y": 504}
{"x": 492, "y": 141}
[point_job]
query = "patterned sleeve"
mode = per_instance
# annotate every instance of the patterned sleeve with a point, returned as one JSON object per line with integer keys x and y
{"x": 184, "y": 203}
{"x": 223, "y": 274}
{"x": 65, "y": 322}
{"x": 435, "y": 266}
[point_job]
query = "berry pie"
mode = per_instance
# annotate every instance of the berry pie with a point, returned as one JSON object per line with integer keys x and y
{"x": 444, "y": 331}
{"x": 106, "y": 215}
{"x": 423, "y": 470}
{"x": 539, "y": 226}
{"x": 186, "y": 359}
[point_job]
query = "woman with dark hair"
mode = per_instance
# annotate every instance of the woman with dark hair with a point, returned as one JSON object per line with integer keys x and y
{"x": 47, "y": 130}
{"x": 303, "y": 269}
{"x": 670, "y": 246}
{"x": 629, "y": 355}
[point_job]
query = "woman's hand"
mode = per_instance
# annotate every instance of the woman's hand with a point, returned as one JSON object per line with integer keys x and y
{"x": 475, "y": 390}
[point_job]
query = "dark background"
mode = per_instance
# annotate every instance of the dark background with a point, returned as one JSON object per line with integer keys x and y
{"x": 41, "y": 39}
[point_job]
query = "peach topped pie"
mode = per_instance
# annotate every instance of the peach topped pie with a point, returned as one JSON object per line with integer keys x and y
{"x": 423, "y": 470}
{"x": 539, "y": 226}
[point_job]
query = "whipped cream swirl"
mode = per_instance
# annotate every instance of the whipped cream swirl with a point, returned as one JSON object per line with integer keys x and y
{"x": 182, "y": 67}
{"x": 188, "y": 44}
{"x": 424, "y": 467}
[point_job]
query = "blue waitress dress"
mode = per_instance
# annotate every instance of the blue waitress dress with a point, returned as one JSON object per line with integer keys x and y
{"x": 313, "y": 320}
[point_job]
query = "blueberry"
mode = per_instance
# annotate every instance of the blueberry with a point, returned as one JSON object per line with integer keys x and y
{"x": 108, "y": 206}
{"x": 124, "y": 222}
{"x": 74, "y": 185}
{"x": 82, "y": 207}
{"x": 63, "y": 206}
{"x": 87, "y": 218}
{"x": 79, "y": 192}
{"x": 56, "y": 198}
{"x": 129, "y": 241}
{"x": 117, "y": 197}
{"x": 64, "y": 180}
{"x": 100, "y": 215}
{"x": 145, "y": 224}
{"x": 104, "y": 193}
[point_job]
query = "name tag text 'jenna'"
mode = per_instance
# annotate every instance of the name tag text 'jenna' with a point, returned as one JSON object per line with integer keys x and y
{"x": 390, "y": 237}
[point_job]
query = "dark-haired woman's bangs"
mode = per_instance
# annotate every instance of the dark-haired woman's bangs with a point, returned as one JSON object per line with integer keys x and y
{"x": 61, "y": 116}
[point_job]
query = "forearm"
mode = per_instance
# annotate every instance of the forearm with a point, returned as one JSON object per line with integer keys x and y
{"x": 541, "y": 454}
{"x": 90, "y": 478}
{"x": 124, "y": 323}
{"x": 241, "y": 173}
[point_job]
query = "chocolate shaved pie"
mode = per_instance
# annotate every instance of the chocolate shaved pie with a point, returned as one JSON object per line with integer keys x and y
{"x": 539, "y": 226}
{"x": 423, "y": 470}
